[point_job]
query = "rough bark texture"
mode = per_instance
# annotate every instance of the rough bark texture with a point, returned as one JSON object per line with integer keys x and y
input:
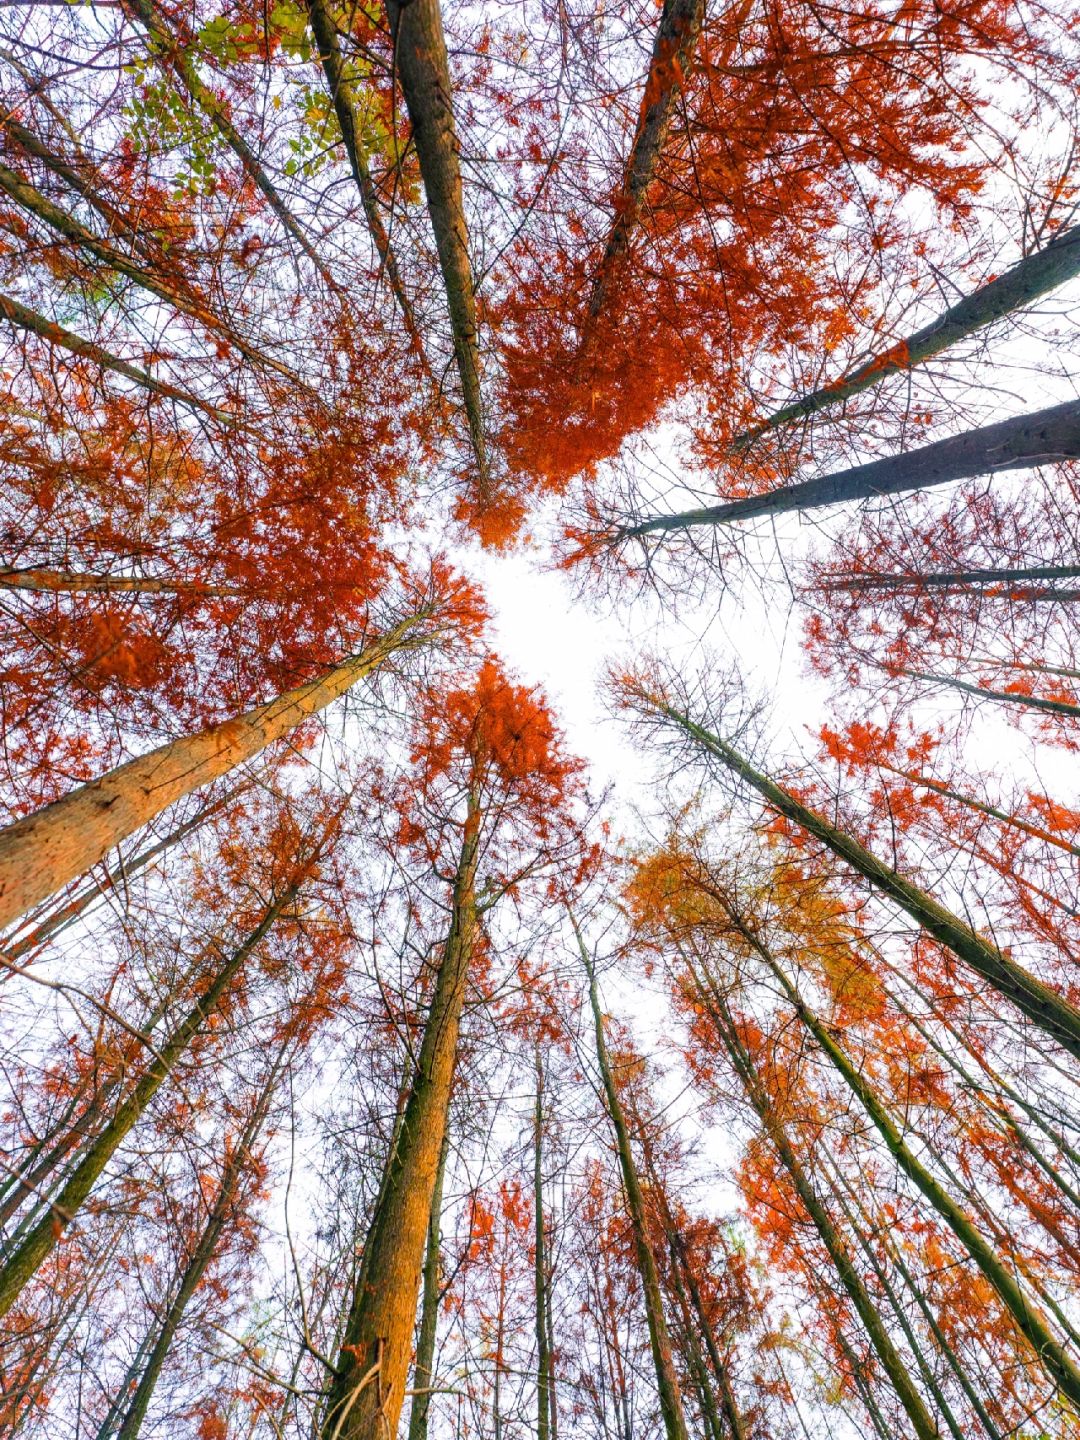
{"x": 1031, "y": 277}
{"x": 1018, "y": 444}
{"x": 673, "y": 51}
{"x": 42, "y": 1239}
{"x": 424, "y": 71}
{"x": 890, "y": 1359}
{"x": 324, "y": 29}
{"x": 74, "y": 583}
{"x": 368, "y": 1387}
{"x": 667, "y": 1382}
{"x": 424, "y": 1369}
{"x": 23, "y": 318}
{"x": 45, "y": 850}
{"x": 1043, "y": 1006}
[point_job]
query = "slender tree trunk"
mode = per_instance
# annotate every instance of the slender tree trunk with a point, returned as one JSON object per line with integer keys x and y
{"x": 29, "y": 320}
{"x": 667, "y": 1381}
{"x": 1005, "y": 697}
{"x": 1027, "y": 1317}
{"x": 540, "y": 1279}
{"x": 424, "y": 71}
{"x": 45, "y": 850}
{"x": 135, "y": 1411}
{"x": 1042, "y": 438}
{"x": 719, "y": 1365}
{"x": 71, "y": 582}
{"x": 175, "y": 56}
{"x": 693, "y": 1357}
{"x": 368, "y": 1386}
{"x": 324, "y": 30}
{"x": 552, "y": 1395}
{"x": 672, "y": 55}
{"x": 952, "y": 579}
{"x": 891, "y": 1361}
{"x": 1034, "y": 275}
{"x": 424, "y": 1369}
{"x": 42, "y": 1240}
{"x": 1047, "y": 1009}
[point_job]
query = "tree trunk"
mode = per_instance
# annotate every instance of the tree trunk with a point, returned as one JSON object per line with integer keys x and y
{"x": 1047, "y": 1009}
{"x": 667, "y": 1382}
{"x": 368, "y": 1386}
{"x": 324, "y": 30}
{"x": 891, "y": 1361}
{"x": 540, "y": 1278}
{"x": 45, "y": 850}
{"x": 1041, "y": 438}
{"x": 954, "y": 579}
{"x": 1006, "y": 697}
{"x": 424, "y": 1369}
{"x": 65, "y": 582}
{"x": 29, "y": 320}
{"x": 1034, "y": 275}
{"x": 45, "y": 1235}
{"x": 1027, "y": 1317}
{"x": 672, "y": 55}
{"x": 424, "y": 70}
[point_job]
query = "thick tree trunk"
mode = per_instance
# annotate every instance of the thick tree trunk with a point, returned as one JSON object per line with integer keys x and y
{"x": 76, "y": 583}
{"x": 31, "y": 321}
{"x": 175, "y": 56}
{"x": 1041, "y": 438}
{"x": 41, "y": 1241}
{"x": 424, "y": 1368}
{"x": 424, "y": 71}
{"x": 324, "y": 30}
{"x": 1034, "y": 275}
{"x": 368, "y": 1387}
{"x": 673, "y": 53}
{"x": 135, "y": 1411}
{"x": 45, "y": 850}
{"x": 1047, "y": 1009}
{"x": 667, "y": 1382}
{"x": 891, "y": 1361}
{"x": 1026, "y": 1315}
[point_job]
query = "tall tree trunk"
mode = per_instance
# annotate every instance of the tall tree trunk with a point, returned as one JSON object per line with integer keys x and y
{"x": 1034, "y": 275}
{"x": 324, "y": 30}
{"x": 1047, "y": 1009}
{"x": 424, "y": 1369}
{"x": 41, "y": 1241}
{"x": 667, "y": 1382}
{"x": 1026, "y": 1315}
{"x": 368, "y": 1387}
{"x": 1005, "y": 697}
{"x": 540, "y": 1277}
{"x": 60, "y": 582}
{"x": 1009, "y": 577}
{"x": 45, "y": 850}
{"x": 424, "y": 70}
{"x": 891, "y": 1361}
{"x": 672, "y": 55}
{"x": 1042, "y": 438}
{"x": 23, "y": 318}
{"x": 134, "y": 1413}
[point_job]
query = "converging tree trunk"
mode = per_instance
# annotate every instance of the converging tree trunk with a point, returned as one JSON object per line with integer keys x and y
{"x": 45, "y": 850}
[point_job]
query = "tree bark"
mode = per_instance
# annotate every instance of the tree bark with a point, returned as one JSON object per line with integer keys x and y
{"x": 1006, "y": 697}
{"x": 540, "y": 1278}
{"x": 45, "y": 850}
{"x": 672, "y": 55}
{"x": 43, "y": 1238}
{"x": 424, "y": 70}
{"x": 65, "y": 582}
{"x": 667, "y": 1382}
{"x": 1047, "y": 1009}
{"x": 1010, "y": 576}
{"x": 1042, "y": 438}
{"x": 424, "y": 1369}
{"x": 368, "y": 1387}
{"x": 1034, "y": 275}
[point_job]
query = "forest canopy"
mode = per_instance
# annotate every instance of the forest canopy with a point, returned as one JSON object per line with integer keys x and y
{"x": 370, "y": 1067}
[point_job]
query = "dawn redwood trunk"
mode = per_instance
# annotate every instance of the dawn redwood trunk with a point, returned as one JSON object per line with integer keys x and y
{"x": 67, "y": 582}
{"x": 43, "y": 1238}
{"x": 667, "y": 1382}
{"x": 1042, "y": 438}
{"x": 23, "y": 318}
{"x": 368, "y": 1386}
{"x": 1006, "y": 580}
{"x": 1005, "y": 697}
{"x": 1034, "y": 275}
{"x": 998, "y": 1273}
{"x": 891, "y": 1361}
{"x": 324, "y": 31}
{"x": 134, "y": 1413}
{"x": 45, "y": 850}
{"x": 1047, "y": 1009}
{"x": 540, "y": 1276}
{"x": 672, "y": 55}
{"x": 424, "y": 1367}
{"x": 424, "y": 70}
